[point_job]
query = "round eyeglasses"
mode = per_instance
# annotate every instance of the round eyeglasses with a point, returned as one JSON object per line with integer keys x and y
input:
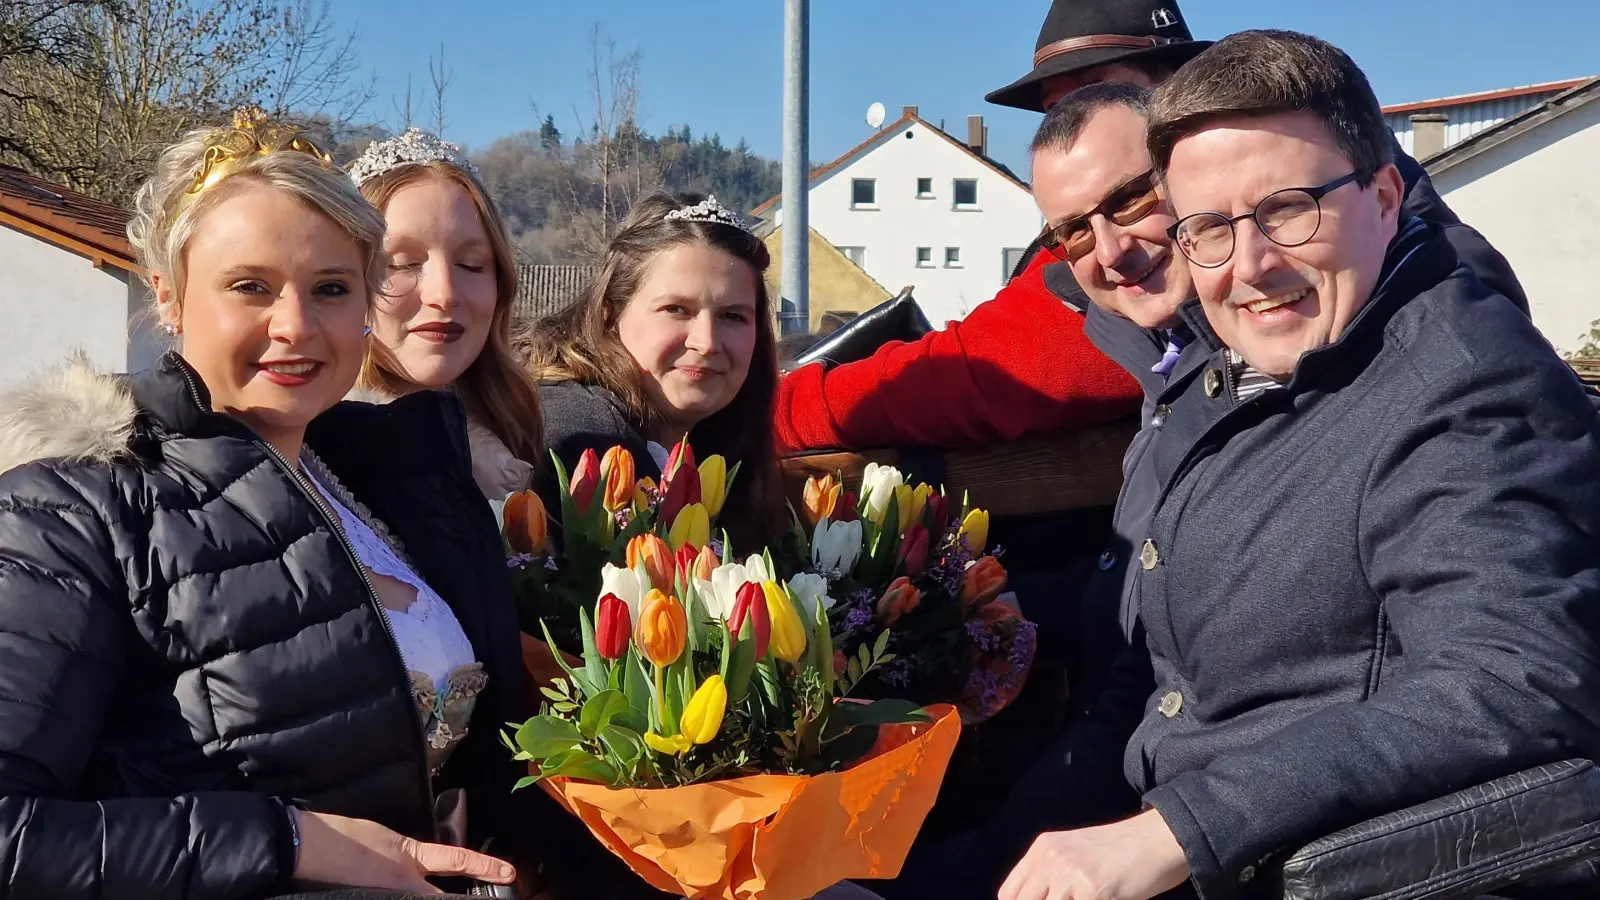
{"x": 1288, "y": 218}
{"x": 1074, "y": 239}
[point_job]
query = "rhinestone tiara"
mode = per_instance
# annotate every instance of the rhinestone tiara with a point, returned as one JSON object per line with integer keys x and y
{"x": 414, "y": 147}
{"x": 709, "y": 210}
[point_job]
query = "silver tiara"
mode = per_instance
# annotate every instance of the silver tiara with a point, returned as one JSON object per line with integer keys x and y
{"x": 414, "y": 147}
{"x": 709, "y": 210}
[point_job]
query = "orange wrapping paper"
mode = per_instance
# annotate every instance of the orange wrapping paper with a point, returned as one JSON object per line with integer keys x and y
{"x": 775, "y": 837}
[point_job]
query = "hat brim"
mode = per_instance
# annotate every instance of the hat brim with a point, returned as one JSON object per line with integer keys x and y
{"x": 1025, "y": 92}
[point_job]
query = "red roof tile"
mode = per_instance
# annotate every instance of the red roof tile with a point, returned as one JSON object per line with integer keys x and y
{"x": 65, "y": 217}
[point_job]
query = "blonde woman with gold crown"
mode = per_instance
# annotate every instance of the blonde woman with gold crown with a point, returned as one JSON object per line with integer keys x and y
{"x": 250, "y": 636}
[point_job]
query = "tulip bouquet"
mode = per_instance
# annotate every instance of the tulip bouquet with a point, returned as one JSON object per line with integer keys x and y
{"x": 606, "y": 516}
{"x": 710, "y": 688}
{"x": 910, "y": 568}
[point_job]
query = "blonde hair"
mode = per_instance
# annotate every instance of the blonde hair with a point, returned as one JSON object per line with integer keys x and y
{"x": 496, "y": 390}
{"x": 166, "y": 216}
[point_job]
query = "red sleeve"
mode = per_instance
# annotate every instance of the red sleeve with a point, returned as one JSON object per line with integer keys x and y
{"x": 1019, "y": 364}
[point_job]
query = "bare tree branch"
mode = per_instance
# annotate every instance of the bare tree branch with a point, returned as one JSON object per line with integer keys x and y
{"x": 441, "y": 79}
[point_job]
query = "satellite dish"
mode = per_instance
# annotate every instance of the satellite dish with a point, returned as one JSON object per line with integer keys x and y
{"x": 875, "y": 114}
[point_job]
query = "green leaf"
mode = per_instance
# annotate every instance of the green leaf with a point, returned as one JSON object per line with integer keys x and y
{"x": 823, "y": 641}
{"x": 854, "y": 669}
{"x": 741, "y": 663}
{"x": 880, "y": 646}
{"x": 635, "y": 686}
{"x": 544, "y": 736}
{"x": 594, "y": 665}
{"x": 555, "y": 653}
{"x": 624, "y": 743}
{"x": 525, "y": 782}
{"x": 552, "y": 694}
{"x": 580, "y": 766}
{"x": 846, "y": 716}
{"x": 600, "y": 710}
{"x": 865, "y": 655}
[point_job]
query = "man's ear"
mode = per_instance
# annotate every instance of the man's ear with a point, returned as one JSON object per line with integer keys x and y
{"x": 1391, "y": 190}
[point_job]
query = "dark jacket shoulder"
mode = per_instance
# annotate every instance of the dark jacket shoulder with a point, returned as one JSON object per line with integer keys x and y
{"x": 579, "y": 417}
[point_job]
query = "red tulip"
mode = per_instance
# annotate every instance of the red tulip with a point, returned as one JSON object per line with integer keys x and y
{"x": 683, "y": 561}
{"x": 680, "y": 482}
{"x": 914, "y": 549}
{"x": 845, "y": 509}
{"x": 585, "y": 482}
{"x": 612, "y": 629}
{"x": 751, "y": 602}
{"x": 938, "y": 514}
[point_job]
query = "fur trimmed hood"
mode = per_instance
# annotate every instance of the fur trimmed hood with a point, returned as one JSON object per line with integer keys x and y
{"x": 69, "y": 411}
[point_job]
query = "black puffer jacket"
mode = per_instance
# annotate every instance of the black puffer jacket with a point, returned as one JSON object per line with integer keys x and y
{"x": 186, "y": 643}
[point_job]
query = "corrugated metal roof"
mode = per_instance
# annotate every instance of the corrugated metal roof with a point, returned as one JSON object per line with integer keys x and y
{"x": 544, "y": 290}
{"x": 1467, "y": 119}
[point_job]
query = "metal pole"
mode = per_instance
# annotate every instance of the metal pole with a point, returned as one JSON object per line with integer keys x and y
{"x": 796, "y": 165}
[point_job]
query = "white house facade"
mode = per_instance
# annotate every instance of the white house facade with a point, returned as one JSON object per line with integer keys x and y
{"x": 1530, "y": 185}
{"x": 916, "y": 206}
{"x": 68, "y": 283}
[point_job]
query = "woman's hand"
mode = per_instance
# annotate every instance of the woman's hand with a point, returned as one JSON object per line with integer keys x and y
{"x": 335, "y": 850}
{"x": 1134, "y": 859}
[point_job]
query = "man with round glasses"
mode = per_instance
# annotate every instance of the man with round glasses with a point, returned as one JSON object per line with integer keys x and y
{"x": 1376, "y": 582}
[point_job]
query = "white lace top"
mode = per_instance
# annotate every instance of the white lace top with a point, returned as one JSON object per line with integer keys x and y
{"x": 430, "y": 638}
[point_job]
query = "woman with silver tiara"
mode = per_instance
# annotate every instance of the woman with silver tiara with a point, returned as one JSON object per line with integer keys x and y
{"x": 672, "y": 338}
{"x": 444, "y": 320}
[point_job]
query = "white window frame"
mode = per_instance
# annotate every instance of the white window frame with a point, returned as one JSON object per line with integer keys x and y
{"x": 925, "y": 194}
{"x": 954, "y": 193}
{"x": 924, "y": 257}
{"x": 952, "y": 257}
{"x": 871, "y": 205}
{"x": 857, "y": 255}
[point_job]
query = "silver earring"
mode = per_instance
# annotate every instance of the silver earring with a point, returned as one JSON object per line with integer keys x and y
{"x": 171, "y": 329}
{"x": 367, "y": 331}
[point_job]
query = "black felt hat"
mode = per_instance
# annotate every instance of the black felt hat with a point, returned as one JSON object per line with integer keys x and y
{"x": 1082, "y": 34}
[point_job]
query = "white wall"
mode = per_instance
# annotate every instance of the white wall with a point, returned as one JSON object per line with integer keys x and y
{"x": 1537, "y": 200}
{"x": 1005, "y": 217}
{"x": 52, "y": 301}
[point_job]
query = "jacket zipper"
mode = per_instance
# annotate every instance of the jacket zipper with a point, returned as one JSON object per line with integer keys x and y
{"x": 332, "y": 520}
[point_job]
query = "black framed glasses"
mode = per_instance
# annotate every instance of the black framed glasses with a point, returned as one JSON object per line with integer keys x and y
{"x": 1074, "y": 239}
{"x": 1288, "y": 218}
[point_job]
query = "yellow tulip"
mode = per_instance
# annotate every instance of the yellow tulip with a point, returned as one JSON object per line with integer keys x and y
{"x": 912, "y": 502}
{"x": 641, "y": 500}
{"x": 713, "y": 484}
{"x": 976, "y": 530}
{"x": 702, "y": 715}
{"x": 677, "y": 745}
{"x": 788, "y": 632}
{"x": 692, "y": 527}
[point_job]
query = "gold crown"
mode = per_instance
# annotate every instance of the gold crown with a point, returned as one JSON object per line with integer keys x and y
{"x": 251, "y": 135}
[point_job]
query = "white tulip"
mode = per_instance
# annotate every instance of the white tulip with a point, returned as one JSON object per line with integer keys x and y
{"x": 877, "y": 488}
{"x": 836, "y": 546}
{"x": 756, "y": 569}
{"x": 720, "y": 593}
{"x": 630, "y": 586}
{"x": 810, "y": 590}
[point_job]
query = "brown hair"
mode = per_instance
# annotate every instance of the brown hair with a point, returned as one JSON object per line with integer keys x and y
{"x": 581, "y": 344}
{"x": 495, "y": 390}
{"x": 1268, "y": 72}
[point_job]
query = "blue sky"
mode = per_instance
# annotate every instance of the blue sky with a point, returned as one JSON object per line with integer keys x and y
{"x": 717, "y": 64}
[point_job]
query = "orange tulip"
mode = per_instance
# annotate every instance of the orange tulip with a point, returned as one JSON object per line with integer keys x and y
{"x": 656, "y": 556}
{"x": 524, "y": 522}
{"x": 982, "y": 582}
{"x": 820, "y": 498}
{"x": 705, "y": 564}
{"x": 663, "y": 629}
{"x": 901, "y": 598}
{"x": 616, "y": 470}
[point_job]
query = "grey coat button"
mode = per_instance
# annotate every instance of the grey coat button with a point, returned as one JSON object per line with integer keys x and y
{"x": 1213, "y": 382}
{"x": 1149, "y": 556}
{"x": 1247, "y": 873}
{"x": 1162, "y": 413}
{"x": 1171, "y": 704}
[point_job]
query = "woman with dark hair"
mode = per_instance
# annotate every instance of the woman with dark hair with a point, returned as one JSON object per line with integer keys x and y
{"x": 674, "y": 337}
